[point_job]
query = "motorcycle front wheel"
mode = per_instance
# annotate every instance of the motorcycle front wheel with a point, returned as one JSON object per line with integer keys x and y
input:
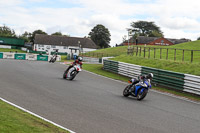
{"x": 142, "y": 94}
{"x": 73, "y": 75}
{"x": 126, "y": 91}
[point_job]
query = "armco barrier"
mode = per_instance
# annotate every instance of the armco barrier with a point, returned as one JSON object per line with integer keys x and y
{"x": 111, "y": 66}
{"x": 174, "y": 80}
{"x": 166, "y": 78}
{"x": 1, "y": 55}
{"x": 192, "y": 84}
{"x": 20, "y": 56}
{"x": 129, "y": 70}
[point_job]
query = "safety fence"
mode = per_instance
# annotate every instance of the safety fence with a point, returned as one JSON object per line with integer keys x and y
{"x": 28, "y": 56}
{"x": 174, "y": 80}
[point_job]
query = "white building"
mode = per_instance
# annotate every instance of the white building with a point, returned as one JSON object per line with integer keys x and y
{"x": 63, "y": 44}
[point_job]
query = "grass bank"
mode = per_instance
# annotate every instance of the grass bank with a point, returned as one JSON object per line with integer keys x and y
{"x": 98, "y": 69}
{"x": 14, "y": 120}
{"x": 11, "y": 50}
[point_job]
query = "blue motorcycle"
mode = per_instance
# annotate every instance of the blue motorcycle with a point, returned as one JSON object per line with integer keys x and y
{"x": 140, "y": 89}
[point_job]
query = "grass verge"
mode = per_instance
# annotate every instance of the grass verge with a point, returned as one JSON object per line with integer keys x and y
{"x": 14, "y": 120}
{"x": 11, "y": 50}
{"x": 97, "y": 68}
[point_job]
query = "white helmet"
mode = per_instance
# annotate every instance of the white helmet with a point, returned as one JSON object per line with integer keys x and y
{"x": 150, "y": 75}
{"x": 80, "y": 58}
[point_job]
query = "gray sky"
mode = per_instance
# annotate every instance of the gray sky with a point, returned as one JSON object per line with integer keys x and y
{"x": 176, "y": 18}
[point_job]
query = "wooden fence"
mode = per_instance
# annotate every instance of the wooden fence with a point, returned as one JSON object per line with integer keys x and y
{"x": 166, "y": 53}
{"x": 100, "y": 55}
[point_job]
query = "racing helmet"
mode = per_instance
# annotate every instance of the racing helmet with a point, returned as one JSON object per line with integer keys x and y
{"x": 80, "y": 58}
{"x": 150, "y": 75}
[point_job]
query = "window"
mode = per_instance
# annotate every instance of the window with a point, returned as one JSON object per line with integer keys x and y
{"x": 48, "y": 47}
{"x": 162, "y": 42}
{"x": 40, "y": 45}
{"x": 52, "y": 46}
{"x": 65, "y": 47}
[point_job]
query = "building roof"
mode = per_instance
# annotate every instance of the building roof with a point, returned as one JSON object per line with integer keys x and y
{"x": 146, "y": 40}
{"x": 177, "y": 41}
{"x": 64, "y": 41}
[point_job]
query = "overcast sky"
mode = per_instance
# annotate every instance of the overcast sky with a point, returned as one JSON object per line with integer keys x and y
{"x": 176, "y": 18}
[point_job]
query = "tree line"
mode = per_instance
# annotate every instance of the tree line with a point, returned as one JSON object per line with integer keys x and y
{"x": 5, "y": 31}
{"x": 99, "y": 33}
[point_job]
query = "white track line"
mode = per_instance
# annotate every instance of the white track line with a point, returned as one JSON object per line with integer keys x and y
{"x": 36, "y": 115}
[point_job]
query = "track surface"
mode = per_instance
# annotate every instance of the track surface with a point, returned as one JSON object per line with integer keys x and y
{"x": 92, "y": 104}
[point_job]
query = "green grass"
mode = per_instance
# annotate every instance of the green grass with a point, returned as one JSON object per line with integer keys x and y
{"x": 159, "y": 54}
{"x": 98, "y": 69}
{"x": 178, "y": 56}
{"x": 115, "y": 51}
{"x": 14, "y": 120}
{"x": 194, "y": 45}
{"x": 63, "y": 58}
{"x": 11, "y": 50}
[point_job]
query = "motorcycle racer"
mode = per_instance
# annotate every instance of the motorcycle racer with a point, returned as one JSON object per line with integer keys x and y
{"x": 139, "y": 79}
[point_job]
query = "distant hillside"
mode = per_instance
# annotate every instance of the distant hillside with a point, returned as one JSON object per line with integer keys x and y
{"x": 170, "y": 64}
{"x": 122, "y": 50}
{"x": 114, "y": 51}
{"x": 194, "y": 45}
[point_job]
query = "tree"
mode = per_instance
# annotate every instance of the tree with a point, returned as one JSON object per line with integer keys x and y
{"x": 101, "y": 36}
{"x": 156, "y": 34}
{"x": 57, "y": 33}
{"x": 36, "y": 32}
{"x": 198, "y": 38}
{"x": 144, "y": 28}
{"x": 26, "y": 36}
{"x": 7, "y": 32}
{"x": 60, "y": 34}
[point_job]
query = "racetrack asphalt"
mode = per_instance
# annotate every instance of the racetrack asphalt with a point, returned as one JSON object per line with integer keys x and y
{"x": 91, "y": 103}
